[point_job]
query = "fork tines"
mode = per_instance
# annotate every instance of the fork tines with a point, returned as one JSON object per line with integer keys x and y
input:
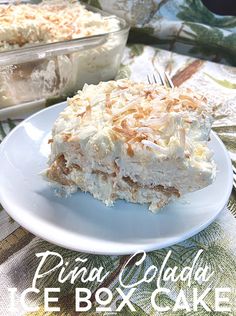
{"x": 165, "y": 79}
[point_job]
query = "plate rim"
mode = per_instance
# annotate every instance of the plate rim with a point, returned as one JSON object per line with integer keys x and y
{"x": 118, "y": 251}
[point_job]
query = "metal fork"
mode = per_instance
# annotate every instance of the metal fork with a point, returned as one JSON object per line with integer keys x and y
{"x": 164, "y": 79}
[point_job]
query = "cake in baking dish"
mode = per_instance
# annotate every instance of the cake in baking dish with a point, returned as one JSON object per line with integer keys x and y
{"x": 23, "y": 24}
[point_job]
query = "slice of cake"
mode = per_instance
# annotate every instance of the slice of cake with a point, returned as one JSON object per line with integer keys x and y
{"x": 140, "y": 142}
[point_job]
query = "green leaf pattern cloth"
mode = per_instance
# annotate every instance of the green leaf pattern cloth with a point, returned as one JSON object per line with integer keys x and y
{"x": 188, "y": 28}
{"x": 183, "y": 26}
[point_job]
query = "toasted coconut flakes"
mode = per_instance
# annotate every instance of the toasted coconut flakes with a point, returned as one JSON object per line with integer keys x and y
{"x": 122, "y": 86}
{"x": 121, "y": 115}
{"x": 185, "y": 97}
{"x": 147, "y": 111}
{"x": 138, "y": 139}
{"x": 88, "y": 109}
{"x": 124, "y": 123}
{"x": 81, "y": 114}
{"x": 130, "y": 151}
{"x": 138, "y": 116}
{"x": 114, "y": 136}
{"x": 108, "y": 101}
{"x": 125, "y": 132}
{"x": 66, "y": 137}
{"x": 149, "y": 95}
{"x": 117, "y": 129}
{"x": 169, "y": 104}
{"x": 189, "y": 104}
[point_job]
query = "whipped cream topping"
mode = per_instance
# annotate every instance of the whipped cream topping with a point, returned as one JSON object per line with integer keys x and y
{"x": 50, "y": 21}
{"x": 168, "y": 122}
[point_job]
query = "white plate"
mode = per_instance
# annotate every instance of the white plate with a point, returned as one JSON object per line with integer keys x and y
{"x": 82, "y": 223}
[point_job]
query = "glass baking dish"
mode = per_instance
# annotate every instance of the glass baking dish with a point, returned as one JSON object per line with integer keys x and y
{"x": 36, "y": 76}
